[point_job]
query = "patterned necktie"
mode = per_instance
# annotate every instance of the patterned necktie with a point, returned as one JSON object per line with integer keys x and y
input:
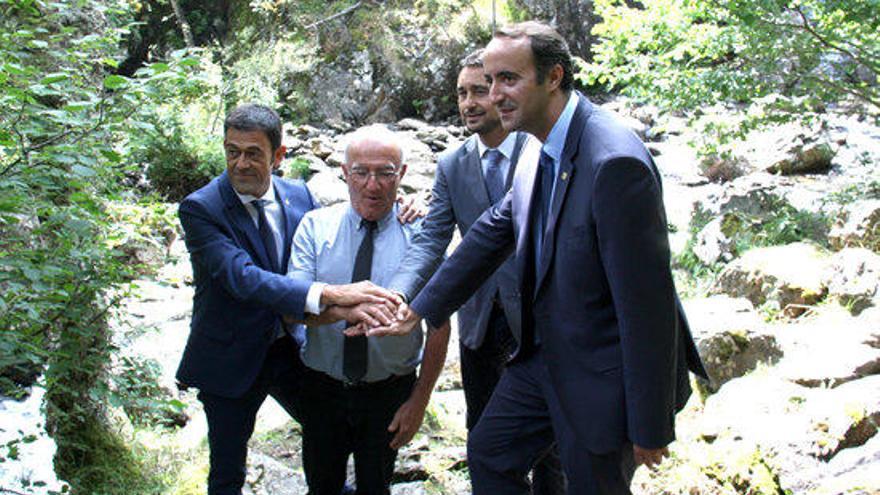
{"x": 494, "y": 179}
{"x": 266, "y": 234}
{"x": 354, "y": 351}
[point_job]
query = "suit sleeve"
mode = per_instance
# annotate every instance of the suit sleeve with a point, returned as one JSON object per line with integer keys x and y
{"x": 486, "y": 246}
{"x": 226, "y": 263}
{"x": 429, "y": 244}
{"x": 633, "y": 245}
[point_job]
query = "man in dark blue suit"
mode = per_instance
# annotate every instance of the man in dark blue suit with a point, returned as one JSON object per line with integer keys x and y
{"x": 238, "y": 231}
{"x": 469, "y": 179}
{"x": 604, "y": 347}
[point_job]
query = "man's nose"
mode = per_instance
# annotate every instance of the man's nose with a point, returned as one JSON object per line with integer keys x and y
{"x": 495, "y": 93}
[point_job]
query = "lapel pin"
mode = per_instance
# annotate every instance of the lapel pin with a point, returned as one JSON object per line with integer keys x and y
{"x": 564, "y": 175}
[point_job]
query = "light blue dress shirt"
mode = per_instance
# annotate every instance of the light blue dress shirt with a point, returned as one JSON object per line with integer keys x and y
{"x": 555, "y": 142}
{"x": 324, "y": 249}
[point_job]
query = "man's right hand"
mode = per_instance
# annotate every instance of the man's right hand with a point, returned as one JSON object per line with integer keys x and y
{"x": 357, "y": 293}
{"x": 373, "y": 315}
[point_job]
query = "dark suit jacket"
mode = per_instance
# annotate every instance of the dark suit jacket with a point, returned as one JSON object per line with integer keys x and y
{"x": 616, "y": 343}
{"x": 459, "y": 197}
{"x": 238, "y": 300}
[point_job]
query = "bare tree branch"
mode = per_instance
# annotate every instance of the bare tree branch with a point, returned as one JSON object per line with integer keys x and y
{"x": 337, "y": 15}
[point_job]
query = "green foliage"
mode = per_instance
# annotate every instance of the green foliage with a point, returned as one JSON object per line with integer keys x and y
{"x": 299, "y": 168}
{"x": 179, "y": 160}
{"x": 778, "y": 223}
{"x": 690, "y": 53}
{"x": 144, "y": 401}
{"x": 65, "y": 118}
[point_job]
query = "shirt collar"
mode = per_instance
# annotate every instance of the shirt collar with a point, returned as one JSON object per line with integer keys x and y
{"x": 268, "y": 196}
{"x": 555, "y": 142}
{"x": 381, "y": 224}
{"x": 506, "y": 147}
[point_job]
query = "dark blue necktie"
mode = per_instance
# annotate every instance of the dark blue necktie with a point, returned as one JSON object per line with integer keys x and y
{"x": 543, "y": 192}
{"x": 354, "y": 351}
{"x": 266, "y": 234}
{"x": 494, "y": 177}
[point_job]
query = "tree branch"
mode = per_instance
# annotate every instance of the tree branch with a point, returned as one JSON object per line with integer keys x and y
{"x": 183, "y": 23}
{"x": 337, "y": 15}
{"x": 812, "y": 31}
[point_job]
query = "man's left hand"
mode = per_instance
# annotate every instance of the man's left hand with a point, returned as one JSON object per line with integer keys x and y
{"x": 411, "y": 209}
{"x": 649, "y": 457}
{"x": 406, "y": 422}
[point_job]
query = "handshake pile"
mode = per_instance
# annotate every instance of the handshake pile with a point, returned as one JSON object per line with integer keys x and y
{"x": 369, "y": 309}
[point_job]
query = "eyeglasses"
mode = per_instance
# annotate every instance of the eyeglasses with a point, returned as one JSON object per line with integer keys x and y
{"x": 361, "y": 176}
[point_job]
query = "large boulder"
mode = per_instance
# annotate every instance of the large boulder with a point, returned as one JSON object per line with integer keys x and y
{"x": 852, "y": 277}
{"x": 830, "y": 348}
{"x": 790, "y": 149}
{"x": 756, "y": 195}
{"x": 790, "y": 277}
{"x": 328, "y": 188}
{"x": 769, "y": 415}
{"x": 731, "y": 338}
{"x": 859, "y": 226}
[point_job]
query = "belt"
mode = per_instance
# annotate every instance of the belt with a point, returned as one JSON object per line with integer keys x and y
{"x": 325, "y": 379}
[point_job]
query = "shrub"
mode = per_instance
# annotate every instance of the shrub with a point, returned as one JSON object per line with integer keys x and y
{"x": 178, "y": 160}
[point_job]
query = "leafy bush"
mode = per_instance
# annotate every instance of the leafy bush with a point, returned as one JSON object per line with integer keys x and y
{"x": 179, "y": 160}
{"x": 691, "y": 53}
{"x": 778, "y": 224}
{"x": 65, "y": 118}
{"x": 145, "y": 402}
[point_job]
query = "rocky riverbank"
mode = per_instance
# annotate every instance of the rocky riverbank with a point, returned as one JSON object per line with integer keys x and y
{"x": 776, "y": 248}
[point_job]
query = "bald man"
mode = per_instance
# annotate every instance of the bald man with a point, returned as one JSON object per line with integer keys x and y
{"x": 361, "y": 395}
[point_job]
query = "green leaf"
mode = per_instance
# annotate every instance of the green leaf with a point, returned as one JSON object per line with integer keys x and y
{"x": 83, "y": 171}
{"x": 114, "y": 81}
{"x": 54, "y": 78}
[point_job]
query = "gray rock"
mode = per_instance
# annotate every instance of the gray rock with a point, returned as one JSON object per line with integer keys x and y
{"x": 858, "y": 227}
{"x": 319, "y": 146}
{"x": 830, "y": 348}
{"x": 852, "y": 277}
{"x": 730, "y": 337}
{"x": 712, "y": 245}
{"x": 790, "y": 277}
{"x": 268, "y": 476}
{"x": 328, "y": 188}
{"x": 791, "y": 149}
{"x": 854, "y": 470}
{"x": 769, "y": 414}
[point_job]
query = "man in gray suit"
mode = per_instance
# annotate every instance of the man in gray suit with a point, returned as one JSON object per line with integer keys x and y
{"x": 470, "y": 179}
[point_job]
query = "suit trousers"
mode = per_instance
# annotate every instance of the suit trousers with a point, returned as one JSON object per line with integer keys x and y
{"x": 339, "y": 420}
{"x": 521, "y": 423}
{"x": 481, "y": 368}
{"x": 231, "y": 421}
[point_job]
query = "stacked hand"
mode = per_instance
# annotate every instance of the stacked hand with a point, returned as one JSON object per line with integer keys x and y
{"x": 403, "y": 321}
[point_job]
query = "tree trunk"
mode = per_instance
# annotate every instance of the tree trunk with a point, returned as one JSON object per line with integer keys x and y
{"x": 184, "y": 25}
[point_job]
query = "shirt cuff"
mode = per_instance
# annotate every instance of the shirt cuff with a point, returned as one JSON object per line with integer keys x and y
{"x": 313, "y": 298}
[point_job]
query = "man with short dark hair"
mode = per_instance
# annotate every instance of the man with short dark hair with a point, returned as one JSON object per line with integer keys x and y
{"x": 238, "y": 231}
{"x": 361, "y": 396}
{"x": 468, "y": 180}
{"x": 604, "y": 348}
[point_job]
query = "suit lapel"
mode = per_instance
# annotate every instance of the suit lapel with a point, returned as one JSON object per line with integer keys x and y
{"x": 243, "y": 222}
{"x": 563, "y": 179}
{"x": 514, "y": 158}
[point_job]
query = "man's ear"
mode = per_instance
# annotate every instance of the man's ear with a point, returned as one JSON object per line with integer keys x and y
{"x": 278, "y": 156}
{"x": 402, "y": 171}
{"x": 554, "y": 76}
